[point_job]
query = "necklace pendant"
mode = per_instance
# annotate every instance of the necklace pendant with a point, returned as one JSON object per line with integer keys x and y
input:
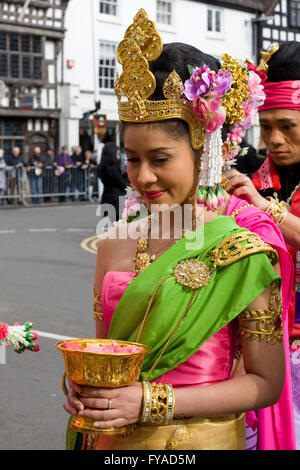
{"x": 142, "y": 245}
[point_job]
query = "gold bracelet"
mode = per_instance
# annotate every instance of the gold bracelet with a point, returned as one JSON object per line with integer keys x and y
{"x": 98, "y": 316}
{"x": 162, "y": 404}
{"x": 146, "y": 402}
{"x": 277, "y": 211}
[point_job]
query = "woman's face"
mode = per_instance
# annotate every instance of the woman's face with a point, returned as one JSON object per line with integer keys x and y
{"x": 161, "y": 167}
{"x": 280, "y": 131}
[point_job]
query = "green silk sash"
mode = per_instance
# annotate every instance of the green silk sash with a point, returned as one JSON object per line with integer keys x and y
{"x": 230, "y": 290}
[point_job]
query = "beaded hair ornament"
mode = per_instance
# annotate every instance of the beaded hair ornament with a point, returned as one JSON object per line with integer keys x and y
{"x": 206, "y": 101}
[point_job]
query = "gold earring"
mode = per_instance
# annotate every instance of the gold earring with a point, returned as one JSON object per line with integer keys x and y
{"x": 225, "y": 184}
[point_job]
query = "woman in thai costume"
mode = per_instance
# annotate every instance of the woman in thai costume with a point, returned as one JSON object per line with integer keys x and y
{"x": 275, "y": 188}
{"x": 193, "y": 299}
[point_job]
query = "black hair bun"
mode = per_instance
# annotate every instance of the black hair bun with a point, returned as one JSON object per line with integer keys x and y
{"x": 178, "y": 56}
{"x": 284, "y": 65}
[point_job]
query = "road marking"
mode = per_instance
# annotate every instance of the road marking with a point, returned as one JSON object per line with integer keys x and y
{"x": 90, "y": 244}
{"x": 42, "y": 229}
{"x": 80, "y": 230}
{"x": 7, "y": 231}
{"x": 45, "y": 334}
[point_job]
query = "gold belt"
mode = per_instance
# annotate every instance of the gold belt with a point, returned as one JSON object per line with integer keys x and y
{"x": 221, "y": 433}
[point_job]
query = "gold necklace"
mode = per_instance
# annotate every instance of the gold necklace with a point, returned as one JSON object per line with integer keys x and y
{"x": 142, "y": 259}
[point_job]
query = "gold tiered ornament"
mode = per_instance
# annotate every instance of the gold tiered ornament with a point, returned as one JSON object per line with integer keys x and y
{"x": 95, "y": 369}
{"x": 142, "y": 44}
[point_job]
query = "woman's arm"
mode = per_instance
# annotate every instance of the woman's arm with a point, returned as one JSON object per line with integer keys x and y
{"x": 98, "y": 279}
{"x": 242, "y": 186}
{"x": 259, "y": 388}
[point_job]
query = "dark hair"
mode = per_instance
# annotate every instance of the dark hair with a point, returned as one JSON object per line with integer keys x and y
{"x": 178, "y": 56}
{"x": 108, "y": 158}
{"x": 284, "y": 65}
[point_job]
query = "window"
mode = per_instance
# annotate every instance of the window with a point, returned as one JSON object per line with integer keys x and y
{"x": 20, "y": 56}
{"x": 107, "y": 65}
{"x": 164, "y": 12}
{"x": 11, "y": 134}
{"x": 214, "y": 21}
{"x": 109, "y": 7}
{"x": 295, "y": 13}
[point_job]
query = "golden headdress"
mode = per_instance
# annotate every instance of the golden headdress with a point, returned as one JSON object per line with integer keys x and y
{"x": 141, "y": 45}
{"x": 232, "y": 97}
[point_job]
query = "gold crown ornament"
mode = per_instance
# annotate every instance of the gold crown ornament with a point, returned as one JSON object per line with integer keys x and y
{"x": 142, "y": 44}
{"x": 266, "y": 56}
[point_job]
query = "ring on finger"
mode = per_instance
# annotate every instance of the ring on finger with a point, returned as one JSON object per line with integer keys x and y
{"x": 109, "y": 404}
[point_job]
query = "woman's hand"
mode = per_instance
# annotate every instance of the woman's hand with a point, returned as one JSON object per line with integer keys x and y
{"x": 109, "y": 407}
{"x": 242, "y": 186}
{"x": 73, "y": 404}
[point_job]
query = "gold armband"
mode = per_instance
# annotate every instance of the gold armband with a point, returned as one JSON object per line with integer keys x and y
{"x": 98, "y": 315}
{"x": 268, "y": 322}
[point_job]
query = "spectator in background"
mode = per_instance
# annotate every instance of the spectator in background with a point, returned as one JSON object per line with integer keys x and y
{"x": 48, "y": 175}
{"x": 64, "y": 165}
{"x": 4, "y": 168}
{"x": 90, "y": 177}
{"x": 78, "y": 174}
{"x": 109, "y": 171}
{"x": 15, "y": 184}
{"x": 35, "y": 169}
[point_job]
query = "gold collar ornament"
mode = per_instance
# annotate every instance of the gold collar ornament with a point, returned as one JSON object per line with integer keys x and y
{"x": 142, "y": 44}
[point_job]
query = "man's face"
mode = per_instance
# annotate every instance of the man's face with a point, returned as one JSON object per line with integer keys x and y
{"x": 16, "y": 151}
{"x": 280, "y": 131}
{"x": 37, "y": 150}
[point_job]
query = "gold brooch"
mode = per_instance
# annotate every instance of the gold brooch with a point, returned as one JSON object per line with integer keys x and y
{"x": 192, "y": 273}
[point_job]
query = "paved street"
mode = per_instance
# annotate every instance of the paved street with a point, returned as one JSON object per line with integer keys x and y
{"x": 46, "y": 277}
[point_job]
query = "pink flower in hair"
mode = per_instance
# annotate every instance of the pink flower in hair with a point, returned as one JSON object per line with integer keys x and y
{"x": 236, "y": 135}
{"x": 200, "y": 107}
{"x": 261, "y": 74}
{"x": 256, "y": 91}
{"x": 214, "y": 120}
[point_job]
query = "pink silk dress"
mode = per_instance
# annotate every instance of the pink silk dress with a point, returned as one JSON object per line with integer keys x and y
{"x": 211, "y": 364}
{"x": 276, "y": 423}
{"x": 214, "y": 360}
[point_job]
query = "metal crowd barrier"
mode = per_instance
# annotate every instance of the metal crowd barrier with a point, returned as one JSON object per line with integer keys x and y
{"x": 49, "y": 184}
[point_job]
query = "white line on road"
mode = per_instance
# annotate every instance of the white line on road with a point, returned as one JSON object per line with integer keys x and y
{"x": 49, "y": 230}
{"x": 80, "y": 230}
{"x": 42, "y": 229}
{"x": 45, "y": 334}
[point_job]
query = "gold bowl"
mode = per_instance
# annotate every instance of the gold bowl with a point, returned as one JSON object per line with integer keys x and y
{"x": 109, "y": 370}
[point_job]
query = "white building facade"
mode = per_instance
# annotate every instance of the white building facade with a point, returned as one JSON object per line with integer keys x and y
{"x": 94, "y": 29}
